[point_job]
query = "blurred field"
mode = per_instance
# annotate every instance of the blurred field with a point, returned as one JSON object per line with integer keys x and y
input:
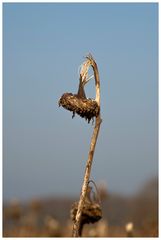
{"x": 50, "y": 217}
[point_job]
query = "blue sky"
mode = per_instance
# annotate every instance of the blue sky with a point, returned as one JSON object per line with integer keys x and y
{"x": 44, "y": 149}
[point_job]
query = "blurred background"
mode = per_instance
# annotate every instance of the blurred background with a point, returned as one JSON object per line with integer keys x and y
{"x": 45, "y": 150}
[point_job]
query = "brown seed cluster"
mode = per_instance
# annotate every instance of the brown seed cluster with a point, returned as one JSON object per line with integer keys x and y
{"x": 86, "y": 108}
{"x": 91, "y": 212}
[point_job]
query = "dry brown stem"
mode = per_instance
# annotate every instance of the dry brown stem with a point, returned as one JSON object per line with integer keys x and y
{"x": 77, "y": 224}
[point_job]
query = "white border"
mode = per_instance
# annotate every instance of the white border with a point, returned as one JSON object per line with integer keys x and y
{"x": 50, "y": 1}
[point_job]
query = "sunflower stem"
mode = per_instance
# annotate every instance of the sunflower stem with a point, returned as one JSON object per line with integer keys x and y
{"x": 77, "y": 228}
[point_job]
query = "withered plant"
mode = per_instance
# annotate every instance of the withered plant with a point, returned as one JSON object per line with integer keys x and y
{"x": 85, "y": 211}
